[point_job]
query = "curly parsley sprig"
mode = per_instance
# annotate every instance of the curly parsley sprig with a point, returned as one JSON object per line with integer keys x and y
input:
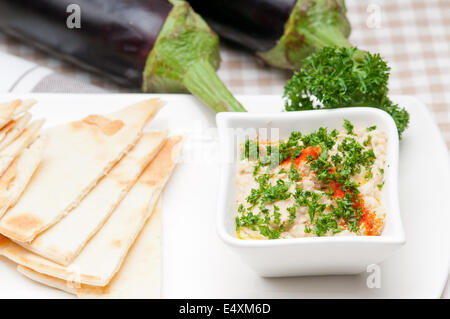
{"x": 343, "y": 77}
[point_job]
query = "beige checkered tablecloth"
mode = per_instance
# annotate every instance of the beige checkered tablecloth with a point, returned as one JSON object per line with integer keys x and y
{"x": 413, "y": 35}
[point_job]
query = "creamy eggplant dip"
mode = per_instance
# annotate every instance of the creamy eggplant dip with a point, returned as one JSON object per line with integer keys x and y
{"x": 327, "y": 183}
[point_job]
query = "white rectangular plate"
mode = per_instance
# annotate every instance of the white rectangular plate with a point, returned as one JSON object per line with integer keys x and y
{"x": 196, "y": 264}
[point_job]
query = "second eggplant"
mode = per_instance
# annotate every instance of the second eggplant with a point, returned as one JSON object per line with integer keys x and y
{"x": 281, "y": 32}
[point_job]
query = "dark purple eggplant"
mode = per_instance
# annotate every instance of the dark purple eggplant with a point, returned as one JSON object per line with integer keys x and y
{"x": 258, "y": 24}
{"x": 136, "y": 42}
{"x": 105, "y": 40}
{"x": 281, "y": 32}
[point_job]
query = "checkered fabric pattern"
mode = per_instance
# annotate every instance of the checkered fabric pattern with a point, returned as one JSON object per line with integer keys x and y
{"x": 412, "y": 35}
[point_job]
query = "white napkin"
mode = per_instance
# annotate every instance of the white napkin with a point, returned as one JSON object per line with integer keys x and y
{"x": 23, "y": 76}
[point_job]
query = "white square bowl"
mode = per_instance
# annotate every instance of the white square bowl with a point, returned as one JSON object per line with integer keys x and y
{"x": 312, "y": 255}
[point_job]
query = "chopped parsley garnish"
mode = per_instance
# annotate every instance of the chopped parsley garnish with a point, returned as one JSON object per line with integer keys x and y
{"x": 349, "y": 127}
{"x": 334, "y": 206}
{"x": 368, "y": 140}
{"x": 292, "y": 214}
{"x": 294, "y": 175}
{"x": 251, "y": 150}
{"x": 275, "y": 193}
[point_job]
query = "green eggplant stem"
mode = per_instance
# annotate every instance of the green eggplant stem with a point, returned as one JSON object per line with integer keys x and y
{"x": 185, "y": 58}
{"x": 202, "y": 81}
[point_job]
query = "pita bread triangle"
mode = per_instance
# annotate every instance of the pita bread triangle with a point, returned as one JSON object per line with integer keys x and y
{"x": 77, "y": 155}
{"x": 12, "y": 109}
{"x": 13, "y": 129}
{"x": 102, "y": 257}
{"x": 138, "y": 278}
{"x": 18, "y": 174}
{"x": 24, "y": 106}
{"x": 28, "y": 135}
{"x": 64, "y": 241}
{"x": 7, "y": 111}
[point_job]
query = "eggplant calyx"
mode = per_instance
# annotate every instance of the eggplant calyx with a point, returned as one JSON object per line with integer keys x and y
{"x": 312, "y": 25}
{"x": 185, "y": 58}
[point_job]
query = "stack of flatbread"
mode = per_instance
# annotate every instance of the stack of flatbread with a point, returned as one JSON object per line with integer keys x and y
{"x": 21, "y": 150}
{"x": 88, "y": 219}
